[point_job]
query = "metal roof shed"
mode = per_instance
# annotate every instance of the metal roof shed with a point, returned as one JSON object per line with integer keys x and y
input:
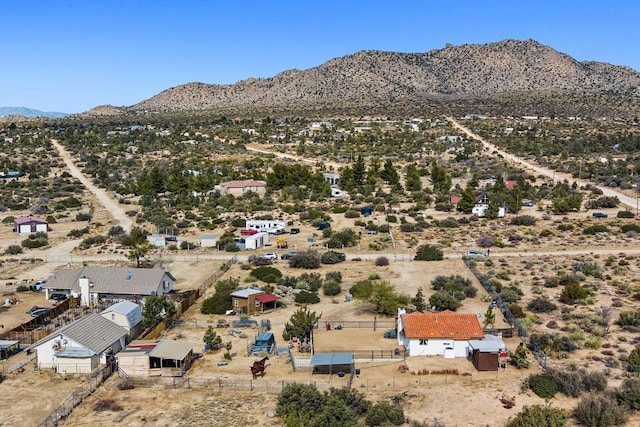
{"x": 171, "y": 358}
{"x": 329, "y": 363}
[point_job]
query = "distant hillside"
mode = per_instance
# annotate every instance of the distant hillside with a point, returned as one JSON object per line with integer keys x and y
{"x": 455, "y": 72}
{"x": 29, "y": 112}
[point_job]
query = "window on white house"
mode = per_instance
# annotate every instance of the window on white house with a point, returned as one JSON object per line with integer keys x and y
{"x": 424, "y": 342}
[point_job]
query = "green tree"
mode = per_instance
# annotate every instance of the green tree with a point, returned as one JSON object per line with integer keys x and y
{"x": 335, "y": 412}
{"x": 385, "y": 413}
{"x": 489, "y": 317}
{"x": 633, "y": 360}
{"x": 418, "y": 300}
{"x": 155, "y": 309}
{"x": 428, "y": 253}
{"x": 359, "y": 171}
{"x": 539, "y": 416}
{"x": 300, "y": 324}
{"x": 220, "y": 302}
{"x": 299, "y": 401}
{"x": 412, "y": 179}
{"x": 384, "y": 299}
{"x": 444, "y": 301}
{"x": 440, "y": 178}
{"x": 212, "y": 338}
{"x": 467, "y": 201}
{"x": 389, "y": 173}
{"x": 138, "y": 245}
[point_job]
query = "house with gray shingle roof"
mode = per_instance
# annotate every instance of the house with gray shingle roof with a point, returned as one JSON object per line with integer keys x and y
{"x": 126, "y": 314}
{"x": 94, "y": 284}
{"x": 81, "y": 345}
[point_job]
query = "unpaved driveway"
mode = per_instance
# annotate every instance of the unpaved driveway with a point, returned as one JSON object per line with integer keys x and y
{"x": 630, "y": 202}
{"x": 109, "y": 203}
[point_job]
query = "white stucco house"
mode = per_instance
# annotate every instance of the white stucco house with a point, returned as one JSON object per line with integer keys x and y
{"x": 437, "y": 334}
{"x": 80, "y": 346}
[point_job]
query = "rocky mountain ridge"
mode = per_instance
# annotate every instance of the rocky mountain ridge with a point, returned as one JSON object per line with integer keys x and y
{"x": 455, "y": 72}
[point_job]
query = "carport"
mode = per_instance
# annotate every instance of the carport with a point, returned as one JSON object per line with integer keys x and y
{"x": 332, "y": 363}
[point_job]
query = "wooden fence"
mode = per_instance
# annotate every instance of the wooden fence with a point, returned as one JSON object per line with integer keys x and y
{"x": 373, "y": 324}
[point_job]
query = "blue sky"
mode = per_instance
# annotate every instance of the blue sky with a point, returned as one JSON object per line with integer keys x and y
{"x": 71, "y": 56}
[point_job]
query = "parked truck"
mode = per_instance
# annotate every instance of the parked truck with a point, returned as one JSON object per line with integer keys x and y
{"x": 282, "y": 243}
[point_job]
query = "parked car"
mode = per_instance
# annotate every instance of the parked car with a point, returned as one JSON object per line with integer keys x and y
{"x": 372, "y": 231}
{"x": 600, "y": 215}
{"x": 248, "y": 232}
{"x": 473, "y": 252}
{"x": 37, "y": 285}
{"x": 323, "y": 225}
{"x": 269, "y": 255}
{"x": 295, "y": 231}
{"x": 528, "y": 204}
{"x": 288, "y": 255}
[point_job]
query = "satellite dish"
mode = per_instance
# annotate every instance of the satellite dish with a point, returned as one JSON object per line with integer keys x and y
{"x": 479, "y": 315}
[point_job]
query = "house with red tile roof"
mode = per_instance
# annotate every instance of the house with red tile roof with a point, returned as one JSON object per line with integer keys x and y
{"x": 444, "y": 333}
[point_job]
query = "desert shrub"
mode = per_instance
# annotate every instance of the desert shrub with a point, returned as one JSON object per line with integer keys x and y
{"x": 341, "y": 239}
{"x": 78, "y": 232}
{"x": 633, "y": 360}
{"x": 8, "y": 219}
{"x": 603, "y": 202}
{"x": 629, "y": 320}
{"x": 594, "y": 229}
{"x": 258, "y": 260}
{"x": 336, "y": 276}
{"x": 36, "y": 240}
{"x": 455, "y": 285}
{"x": 407, "y": 227}
{"x": 573, "y": 293}
{"x": 565, "y": 227}
{"x": 92, "y": 241}
{"x": 444, "y": 301}
{"x": 22, "y": 288}
{"x": 552, "y": 343}
{"x": 510, "y": 295}
{"x": 83, "y": 216}
{"x": 220, "y": 301}
{"x": 332, "y": 257}
{"x": 312, "y": 280}
{"x": 588, "y": 269}
{"x": 385, "y": 413}
{"x": 305, "y": 297}
{"x": 447, "y": 223}
{"x": 517, "y": 311}
{"x": 267, "y": 274}
{"x": 598, "y": 410}
{"x": 541, "y": 305}
{"x": 382, "y": 261}
{"x": 305, "y": 259}
{"x": 486, "y": 241}
{"x": 362, "y": 290}
{"x": 575, "y": 383}
{"x": 523, "y": 220}
{"x": 116, "y": 230}
{"x": 539, "y": 416}
{"x": 352, "y": 214}
{"x": 302, "y": 400}
{"x": 545, "y": 233}
{"x": 13, "y": 250}
{"x": 625, "y": 214}
{"x": 543, "y": 385}
{"x": 629, "y": 393}
{"x": 630, "y": 227}
{"x": 331, "y": 288}
{"x": 428, "y": 253}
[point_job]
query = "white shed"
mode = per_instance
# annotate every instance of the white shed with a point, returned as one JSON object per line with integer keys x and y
{"x": 208, "y": 241}
{"x": 256, "y": 241}
{"x": 75, "y": 361}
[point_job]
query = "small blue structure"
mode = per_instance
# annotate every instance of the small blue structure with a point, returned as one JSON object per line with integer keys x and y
{"x": 332, "y": 363}
{"x": 264, "y": 342}
{"x": 366, "y": 210}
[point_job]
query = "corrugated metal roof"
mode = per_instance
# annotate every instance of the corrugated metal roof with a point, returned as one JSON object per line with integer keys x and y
{"x": 111, "y": 280}
{"x": 92, "y": 331}
{"x": 326, "y": 359}
{"x": 29, "y": 220}
{"x": 172, "y": 349}
{"x": 490, "y": 343}
{"x": 266, "y": 298}
{"x": 245, "y": 293}
{"x": 445, "y": 324}
{"x": 130, "y": 309}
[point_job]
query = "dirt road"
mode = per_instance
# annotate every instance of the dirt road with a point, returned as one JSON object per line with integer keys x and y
{"x": 110, "y": 204}
{"x": 629, "y": 202}
{"x": 292, "y": 157}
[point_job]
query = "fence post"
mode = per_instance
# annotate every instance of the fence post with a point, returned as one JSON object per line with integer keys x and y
{"x": 219, "y": 385}
{"x": 250, "y": 385}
